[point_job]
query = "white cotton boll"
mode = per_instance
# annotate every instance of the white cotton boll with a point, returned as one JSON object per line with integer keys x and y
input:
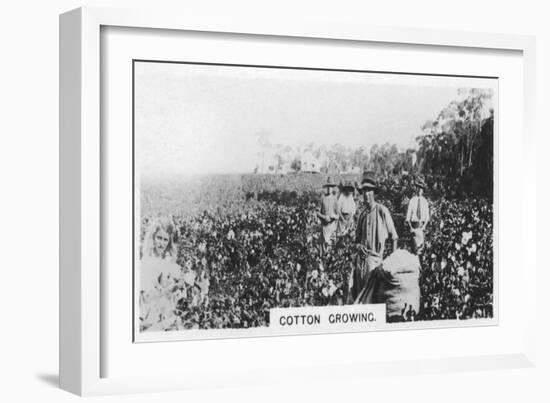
{"x": 189, "y": 277}
{"x": 401, "y": 261}
{"x": 466, "y": 236}
{"x": 332, "y": 288}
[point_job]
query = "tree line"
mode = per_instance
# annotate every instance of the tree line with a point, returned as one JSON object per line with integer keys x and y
{"x": 456, "y": 146}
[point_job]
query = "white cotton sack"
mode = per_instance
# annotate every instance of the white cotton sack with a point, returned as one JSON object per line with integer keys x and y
{"x": 397, "y": 284}
{"x": 401, "y": 261}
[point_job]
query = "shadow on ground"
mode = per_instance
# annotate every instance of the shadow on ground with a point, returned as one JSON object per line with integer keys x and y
{"x": 49, "y": 379}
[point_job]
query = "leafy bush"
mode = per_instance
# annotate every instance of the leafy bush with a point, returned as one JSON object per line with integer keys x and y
{"x": 256, "y": 238}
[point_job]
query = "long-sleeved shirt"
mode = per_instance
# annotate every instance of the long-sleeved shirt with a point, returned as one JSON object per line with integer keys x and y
{"x": 346, "y": 205}
{"x": 346, "y": 211}
{"x": 418, "y": 210}
{"x": 329, "y": 210}
{"x": 374, "y": 226}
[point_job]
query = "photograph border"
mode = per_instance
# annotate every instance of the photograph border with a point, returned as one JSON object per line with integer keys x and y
{"x": 80, "y": 176}
{"x": 214, "y": 334}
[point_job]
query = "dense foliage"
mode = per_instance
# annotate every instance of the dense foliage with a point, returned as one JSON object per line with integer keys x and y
{"x": 261, "y": 249}
{"x": 459, "y": 143}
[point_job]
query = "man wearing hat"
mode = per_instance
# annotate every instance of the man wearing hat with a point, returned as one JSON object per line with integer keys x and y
{"x": 328, "y": 214}
{"x": 418, "y": 215}
{"x": 346, "y": 208}
{"x": 374, "y": 227}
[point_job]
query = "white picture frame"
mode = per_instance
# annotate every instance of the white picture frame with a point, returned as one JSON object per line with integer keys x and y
{"x": 82, "y": 177}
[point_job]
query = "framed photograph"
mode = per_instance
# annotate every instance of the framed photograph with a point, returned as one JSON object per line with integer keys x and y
{"x": 273, "y": 199}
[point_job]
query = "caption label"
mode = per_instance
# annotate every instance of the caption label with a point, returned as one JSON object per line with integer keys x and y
{"x": 338, "y": 317}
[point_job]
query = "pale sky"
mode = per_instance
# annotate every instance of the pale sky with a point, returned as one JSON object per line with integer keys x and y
{"x": 193, "y": 119}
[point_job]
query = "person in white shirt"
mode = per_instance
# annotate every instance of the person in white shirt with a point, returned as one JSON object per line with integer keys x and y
{"x": 418, "y": 216}
{"x": 328, "y": 215}
{"x": 346, "y": 208}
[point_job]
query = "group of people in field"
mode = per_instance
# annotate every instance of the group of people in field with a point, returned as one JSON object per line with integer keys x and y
{"x": 163, "y": 281}
{"x": 373, "y": 225}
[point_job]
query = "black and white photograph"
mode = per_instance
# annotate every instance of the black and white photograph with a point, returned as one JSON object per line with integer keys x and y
{"x": 273, "y": 200}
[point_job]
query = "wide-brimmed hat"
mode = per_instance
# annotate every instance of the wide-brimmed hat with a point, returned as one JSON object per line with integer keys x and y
{"x": 419, "y": 182}
{"x": 329, "y": 183}
{"x": 368, "y": 182}
{"x": 347, "y": 186}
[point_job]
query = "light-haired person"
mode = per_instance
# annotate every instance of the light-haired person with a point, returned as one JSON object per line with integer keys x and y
{"x": 158, "y": 271}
